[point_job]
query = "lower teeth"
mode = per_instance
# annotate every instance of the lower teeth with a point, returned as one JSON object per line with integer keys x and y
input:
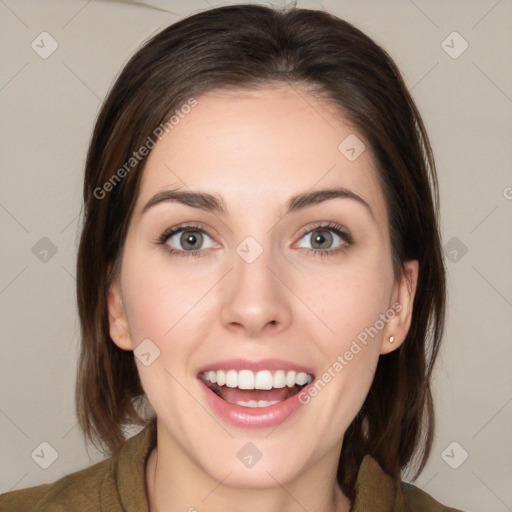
{"x": 254, "y": 403}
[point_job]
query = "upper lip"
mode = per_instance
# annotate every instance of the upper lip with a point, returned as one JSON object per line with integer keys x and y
{"x": 262, "y": 364}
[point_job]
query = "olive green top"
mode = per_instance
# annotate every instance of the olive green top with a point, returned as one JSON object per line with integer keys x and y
{"x": 118, "y": 484}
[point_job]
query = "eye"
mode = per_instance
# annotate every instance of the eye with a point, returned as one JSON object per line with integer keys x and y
{"x": 186, "y": 240}
{"x": 327, "y": 239}
{"x": 189, "y": 240}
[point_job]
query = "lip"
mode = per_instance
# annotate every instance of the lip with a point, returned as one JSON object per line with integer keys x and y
{"x": 247, "y": 417}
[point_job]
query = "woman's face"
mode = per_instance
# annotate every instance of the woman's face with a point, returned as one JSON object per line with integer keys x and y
{"x": 268, "y": 275}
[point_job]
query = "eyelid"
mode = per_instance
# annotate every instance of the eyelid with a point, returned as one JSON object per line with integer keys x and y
{"x": 341, "y": 231}
{"x": 186, "y": 226}
{"x": 324, "y": 225}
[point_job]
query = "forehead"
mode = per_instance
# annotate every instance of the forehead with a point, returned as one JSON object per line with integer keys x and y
{"x": 259, "y": 147}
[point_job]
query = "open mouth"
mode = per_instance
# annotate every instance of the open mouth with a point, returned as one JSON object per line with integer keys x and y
{"x": 261, "y": 389}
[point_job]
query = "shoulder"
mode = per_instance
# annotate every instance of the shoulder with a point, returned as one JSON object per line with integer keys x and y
{"x": 78, "y": 491}
{"x": 106, "y": 486}
{"x": 416, "y": 500}
{"x": 376, "y": 490}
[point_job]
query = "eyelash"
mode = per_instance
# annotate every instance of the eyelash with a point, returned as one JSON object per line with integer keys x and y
{"x": 331, "y": 226}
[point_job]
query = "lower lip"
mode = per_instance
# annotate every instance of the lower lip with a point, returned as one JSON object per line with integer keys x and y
{"x": 251, "y": 417}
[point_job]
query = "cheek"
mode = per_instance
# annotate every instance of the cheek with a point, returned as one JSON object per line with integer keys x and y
{"x": 157, "y": 295}
{"x": 348, "y": 299}
{"x": 167, "y": 305}
{"x": 163, "y": 304}
{"x": 350, "y": 305}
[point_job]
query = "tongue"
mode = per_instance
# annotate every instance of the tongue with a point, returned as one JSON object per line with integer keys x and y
{"x": 237, "y": 395}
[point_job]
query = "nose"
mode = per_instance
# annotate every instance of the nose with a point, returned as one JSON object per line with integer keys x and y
{"x": 255, "y": 301}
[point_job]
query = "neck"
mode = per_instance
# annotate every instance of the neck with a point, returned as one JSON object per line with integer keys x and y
{"x": 174, "y": 482}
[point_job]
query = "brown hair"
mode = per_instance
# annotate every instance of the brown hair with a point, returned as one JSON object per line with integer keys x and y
{"x": 248, "y": 46}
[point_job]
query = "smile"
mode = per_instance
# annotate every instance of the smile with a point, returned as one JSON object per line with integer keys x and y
{"x": 254, "y": 398}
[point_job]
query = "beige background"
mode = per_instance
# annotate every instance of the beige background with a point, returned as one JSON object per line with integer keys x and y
{"x": 48, "y": 110}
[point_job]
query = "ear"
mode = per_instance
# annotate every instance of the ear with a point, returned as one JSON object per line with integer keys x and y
{"x": 119, "y": 330}
{"x": 396, "y": 329}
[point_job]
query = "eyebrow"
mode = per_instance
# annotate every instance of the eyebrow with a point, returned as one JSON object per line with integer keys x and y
{"x": 215, "y": 204}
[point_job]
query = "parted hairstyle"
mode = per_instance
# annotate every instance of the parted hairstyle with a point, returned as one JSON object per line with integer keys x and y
{"x": 247, "y": 47}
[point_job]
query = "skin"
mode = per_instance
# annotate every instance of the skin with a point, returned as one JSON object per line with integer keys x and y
{"x": 256, "y": 149}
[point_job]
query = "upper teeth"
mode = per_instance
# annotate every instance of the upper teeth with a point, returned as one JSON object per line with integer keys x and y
{"x": 246, "y": 379}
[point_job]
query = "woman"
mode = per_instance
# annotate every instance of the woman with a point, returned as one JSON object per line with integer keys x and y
{"x": 260, "y": 280}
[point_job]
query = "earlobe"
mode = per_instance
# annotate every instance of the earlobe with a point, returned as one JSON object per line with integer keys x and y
{"x": 119, "y": 331}
{"x": 397, "y": 328}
